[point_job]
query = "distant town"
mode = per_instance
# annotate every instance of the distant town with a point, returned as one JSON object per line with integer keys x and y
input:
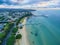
{"x": 10, "y": 22}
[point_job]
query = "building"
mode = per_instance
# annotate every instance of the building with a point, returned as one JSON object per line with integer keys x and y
{"x": 1, "y": 27}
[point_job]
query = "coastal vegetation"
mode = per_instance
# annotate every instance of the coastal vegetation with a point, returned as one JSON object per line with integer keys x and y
{"x": 6, "y": 29}
{"x": 21, "y": 27}
{"x": 22, "y": 18}
{"x": 13, "y": 37}
{"x": 15, "y": 29}
{"x": 18, "y": 36}
{"x": 2, "y": 36}
{"x": 11, "y": 40}
{"x": 10, "y": 27}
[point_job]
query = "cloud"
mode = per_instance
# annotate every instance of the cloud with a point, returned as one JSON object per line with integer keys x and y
{"x": 27, "y": 4}
{"x": 14, "y": 6}
{"x": 20, "y": 2}
{"x": 48, "y": 4}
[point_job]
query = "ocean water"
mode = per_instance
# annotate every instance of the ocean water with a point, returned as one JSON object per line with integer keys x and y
{"x": 44, "y": 27}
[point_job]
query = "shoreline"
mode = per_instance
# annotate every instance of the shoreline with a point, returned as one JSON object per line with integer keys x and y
{"x": 24, "y": 39}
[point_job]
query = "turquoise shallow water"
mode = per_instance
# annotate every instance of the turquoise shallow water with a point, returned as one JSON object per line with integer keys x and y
{"x": 44, "y": 30}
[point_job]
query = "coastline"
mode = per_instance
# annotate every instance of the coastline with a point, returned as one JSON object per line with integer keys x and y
{"x": 24, "y": 39}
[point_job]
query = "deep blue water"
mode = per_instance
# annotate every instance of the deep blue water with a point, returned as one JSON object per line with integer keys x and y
{"x": 44, "y": 30}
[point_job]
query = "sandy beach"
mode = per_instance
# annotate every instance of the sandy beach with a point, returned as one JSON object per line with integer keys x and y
{"x": 24, "y": 40}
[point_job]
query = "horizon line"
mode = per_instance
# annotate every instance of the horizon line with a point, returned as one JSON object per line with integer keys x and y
{"x": 35, "y": 8}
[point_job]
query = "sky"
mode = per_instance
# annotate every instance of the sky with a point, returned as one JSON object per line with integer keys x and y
{"x": 29, "y": 3}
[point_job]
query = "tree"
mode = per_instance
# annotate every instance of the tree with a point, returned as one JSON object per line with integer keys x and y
{"x": 15, "y": 30}
{"x": 11, "y": 40}
{"x": 0, "y": 41}
{"x": 19, "y": 36}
